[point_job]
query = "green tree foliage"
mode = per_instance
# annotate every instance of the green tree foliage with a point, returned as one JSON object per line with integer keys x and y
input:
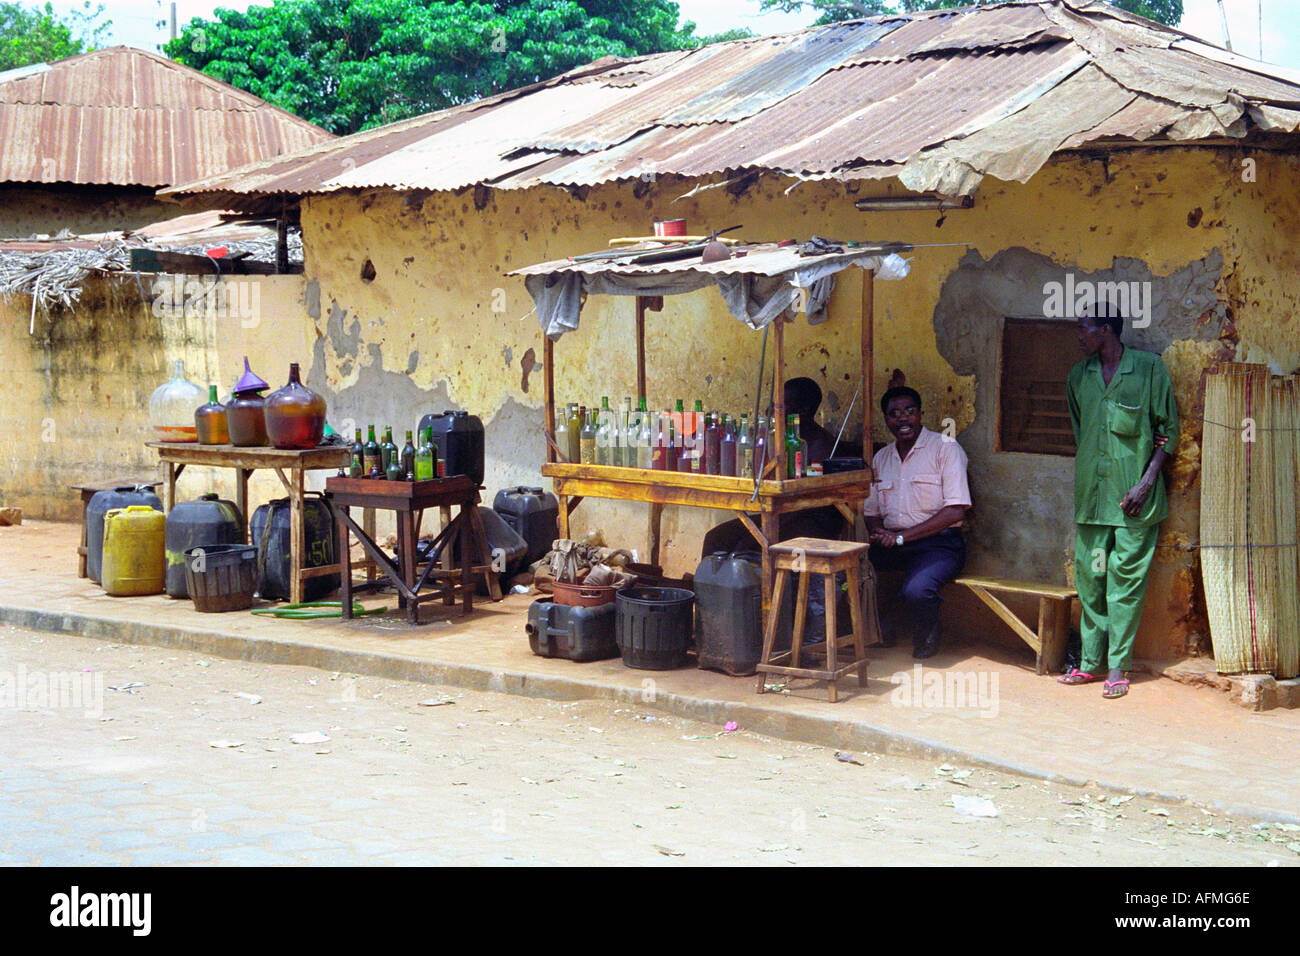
{"x": 38, "y": 35}
{"x": 348, "y": 65}
{"x": 1168, "y": 12}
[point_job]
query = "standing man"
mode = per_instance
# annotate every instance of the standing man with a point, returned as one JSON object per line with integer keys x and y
{"x": 919, "y": 498}
{"x": 1123, "y": 413}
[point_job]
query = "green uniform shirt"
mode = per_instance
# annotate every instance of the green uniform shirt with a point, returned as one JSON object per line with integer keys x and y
{"x": 1114, "y": 430}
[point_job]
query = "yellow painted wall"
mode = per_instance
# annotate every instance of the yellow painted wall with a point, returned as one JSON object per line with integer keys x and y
{"x": 77, "y": 390}
{"x": 440, "y": 319}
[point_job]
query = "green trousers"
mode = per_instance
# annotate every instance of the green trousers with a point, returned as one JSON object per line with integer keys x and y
{"x": 1110, "y": 574}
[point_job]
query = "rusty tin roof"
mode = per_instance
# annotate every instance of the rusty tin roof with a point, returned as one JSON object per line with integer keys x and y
{"x": 937, "y": 100}
{"x": 127, "y": 117}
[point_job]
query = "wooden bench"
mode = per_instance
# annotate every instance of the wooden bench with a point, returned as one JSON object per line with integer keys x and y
{"x": 1053, "y": 615}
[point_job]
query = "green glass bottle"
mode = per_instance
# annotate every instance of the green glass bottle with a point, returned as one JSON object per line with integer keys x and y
{"x": 357, "y": 467}
{"x": 793, "y": 465}
{"x": 387, "y": 450}
{"x": 426, "y": 457}
{"x": 408, "y": 459}
{"x": 372, "y": 460}
{"x": 394, "y": 470}
{"x": 604, "y": 432}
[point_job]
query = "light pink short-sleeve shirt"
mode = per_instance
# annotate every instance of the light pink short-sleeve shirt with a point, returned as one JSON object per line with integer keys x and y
{"x": 905, "y": 493}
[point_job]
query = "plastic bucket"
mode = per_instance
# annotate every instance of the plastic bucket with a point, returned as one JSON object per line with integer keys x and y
{"x": 653, "y": 627}
{"x": 221, "y": 577}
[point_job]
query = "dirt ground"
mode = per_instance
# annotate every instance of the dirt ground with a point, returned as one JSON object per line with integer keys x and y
{"x": 191, "y": 760}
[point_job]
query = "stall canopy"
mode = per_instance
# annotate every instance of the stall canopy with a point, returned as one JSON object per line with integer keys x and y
{"x": 756, "y": 287}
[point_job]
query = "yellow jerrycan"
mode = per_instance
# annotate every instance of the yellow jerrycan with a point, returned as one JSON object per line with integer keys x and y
{"x": 135, "y": 558}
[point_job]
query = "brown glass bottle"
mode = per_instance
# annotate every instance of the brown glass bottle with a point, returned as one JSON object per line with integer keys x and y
{"x": 210, "y": 421}
{"x": 295, "y": 415}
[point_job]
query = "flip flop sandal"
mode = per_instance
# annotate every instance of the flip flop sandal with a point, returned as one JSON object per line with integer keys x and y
{"x": 1076, "y": 676}
{"x": 1115, "y": 689}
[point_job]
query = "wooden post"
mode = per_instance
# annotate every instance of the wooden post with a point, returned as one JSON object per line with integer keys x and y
{"x": 548, "y": 369}
{"x": 640, "y": 347}
{"x": 297, "y": 534}
{"x": 868, "y": 321}
{"x": 778, "y": 403}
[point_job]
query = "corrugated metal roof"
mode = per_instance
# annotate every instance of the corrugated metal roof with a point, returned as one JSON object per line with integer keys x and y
{"x": 894, "y": 95}
{"x": 127, "y": 117}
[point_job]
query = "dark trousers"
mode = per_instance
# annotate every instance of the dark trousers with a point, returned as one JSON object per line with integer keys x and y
{"x": 927, "y": 565}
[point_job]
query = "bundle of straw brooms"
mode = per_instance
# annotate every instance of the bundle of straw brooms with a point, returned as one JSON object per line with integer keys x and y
{"x": 1250, "y": 519}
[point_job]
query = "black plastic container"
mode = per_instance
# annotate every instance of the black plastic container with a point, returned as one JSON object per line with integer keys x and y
{"x": 459, "y": 437}
{"x": 574, "y": 633}
{"x": 534, "y": 513}
{"x": 270, "y": 532}
{"x": 729, "y": 613}
{"x": 204, "y": 523}
{"x": 653, "y": 627}
{"x": 101, "y": 502}
{"x": 507, "y": 547}
{"x": 223, "y": 579}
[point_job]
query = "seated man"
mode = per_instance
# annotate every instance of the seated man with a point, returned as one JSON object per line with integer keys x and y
{"x": 919, "y": 498}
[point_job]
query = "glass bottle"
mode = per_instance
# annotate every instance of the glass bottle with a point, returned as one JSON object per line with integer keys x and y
{"x": 645, "y": 452}
{"x": 661, "y": 440}
{"x": 172, "y": 406}
{"x": 727, "y": 448}
{"x": 210, "y": 421}
{"x": 587, "y": 446}
{"x": 561, "y": 435}
{"x": 576, "y": 416}
{"x": 744, "y": 449}
{"x": 712, "y": 445}
{"x": 604, "y": 430}
{"x": 246, "y": 411}
{"x": 408, "y": 459}
{"x": 295, "y": 415}
{"x": 373, "y": 461}
{"x": 426, "y": 457}
{"x": 387, "y": 450}
{"x": 792, "y": 460}
{"x": 357, "y": 467}
{"x": 761, "y": 447}
{"x": 394, "y": 470}
{"x": 626, "y": 457}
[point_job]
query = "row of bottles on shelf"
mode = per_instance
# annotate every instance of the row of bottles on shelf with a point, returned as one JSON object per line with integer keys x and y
{"x": 384, "y": 460}
{"x": 707, "y": 443}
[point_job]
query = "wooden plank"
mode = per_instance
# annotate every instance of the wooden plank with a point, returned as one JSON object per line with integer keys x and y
{"x": 770, "y": 618}
{"x": 868, "y": 320}
{"x": 778, "y": 412}
{"x": 698, "y": 498}
{"x": 1009, "y": 586}
{"x": 548, "y": 375}
{"x": 231, "y": 456}
{"x": 640, "y": 346}
{"x": 847, "y": 484}
{"x": 762, "y": 540}
{"x": 1013, "y": 622}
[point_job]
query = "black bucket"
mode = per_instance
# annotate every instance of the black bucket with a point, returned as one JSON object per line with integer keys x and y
{"x": 654, "y": 626}
{"x": 221, "y": 577}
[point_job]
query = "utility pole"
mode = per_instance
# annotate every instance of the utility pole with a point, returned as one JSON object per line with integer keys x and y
{"x": 1223, "y": 17}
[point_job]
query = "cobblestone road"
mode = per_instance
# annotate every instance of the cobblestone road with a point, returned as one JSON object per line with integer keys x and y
{"x": 191, "y": 760}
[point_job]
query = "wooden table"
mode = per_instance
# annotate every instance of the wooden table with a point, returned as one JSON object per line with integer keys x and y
{"x": 176, "y": 455}
{"x": 408, "y": 500}
{"x": 845, "y": 490}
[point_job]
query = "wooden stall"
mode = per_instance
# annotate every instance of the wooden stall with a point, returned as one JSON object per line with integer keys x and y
{"x": 783, "y": 270}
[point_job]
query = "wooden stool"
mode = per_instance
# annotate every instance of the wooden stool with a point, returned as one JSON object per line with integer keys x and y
{"x": 806, "y": 557}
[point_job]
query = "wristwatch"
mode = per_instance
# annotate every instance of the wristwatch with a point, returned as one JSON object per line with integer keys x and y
{"x": 898, "y": 540}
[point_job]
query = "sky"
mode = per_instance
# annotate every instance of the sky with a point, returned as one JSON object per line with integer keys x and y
{"x": 136, "y": 22}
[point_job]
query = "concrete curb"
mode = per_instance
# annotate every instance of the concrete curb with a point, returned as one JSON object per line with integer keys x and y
{"x": 823, "y": 731}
